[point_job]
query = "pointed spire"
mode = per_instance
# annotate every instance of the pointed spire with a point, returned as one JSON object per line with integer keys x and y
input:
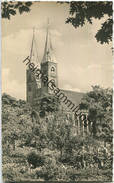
{"x": 34, "y": 51}
{"x": 48, "y": 50}
{"x": 31, "y": 52}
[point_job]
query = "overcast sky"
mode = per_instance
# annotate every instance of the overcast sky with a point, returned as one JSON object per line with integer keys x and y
{"x": 82, "y": 61}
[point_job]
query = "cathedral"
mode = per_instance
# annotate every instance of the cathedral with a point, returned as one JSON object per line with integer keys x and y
{"x": 36, "y": 88}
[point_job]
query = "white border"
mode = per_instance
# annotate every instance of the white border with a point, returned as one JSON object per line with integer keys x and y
{"x": 0, "y": 103}
{"x": 1, "y": 83}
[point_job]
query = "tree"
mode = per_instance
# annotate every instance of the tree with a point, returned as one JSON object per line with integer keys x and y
{"x": 82, "y": 12}
{"x": 98, "y": 102}
{"x": 47, "y": 104}
{"x": 59, "y": 131}
{"x": 16, "y": 121}
{"x": 10, "y": 8}
{"x": 79, "y": 14}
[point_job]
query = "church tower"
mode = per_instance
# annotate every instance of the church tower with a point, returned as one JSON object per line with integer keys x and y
{"x": 48, "y": 65}
{"x": 37, "y": 88}
{"x": 32, "y": 85}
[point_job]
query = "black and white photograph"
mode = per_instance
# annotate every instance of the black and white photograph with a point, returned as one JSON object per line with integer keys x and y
{"x": 57, "y": 91}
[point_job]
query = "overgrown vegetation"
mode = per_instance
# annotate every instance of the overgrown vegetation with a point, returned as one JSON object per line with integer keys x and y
{"x": 49, "y": 148}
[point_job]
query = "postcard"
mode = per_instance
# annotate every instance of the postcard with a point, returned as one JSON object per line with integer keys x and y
{"x": 57, "y": 122}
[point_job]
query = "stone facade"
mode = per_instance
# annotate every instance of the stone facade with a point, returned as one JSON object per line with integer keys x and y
{"x": 37, "y": 89}
{"x": 48, "y": 66}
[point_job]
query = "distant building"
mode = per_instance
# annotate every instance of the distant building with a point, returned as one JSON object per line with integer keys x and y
{"x": 48, "y": 65}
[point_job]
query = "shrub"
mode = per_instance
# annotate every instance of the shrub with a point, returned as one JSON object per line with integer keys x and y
{"x": 35, "y": 159}
{"x": 71, "y": 173}
{"x": 30, "y": 175}
{"x": 62, "y": 173}
{"x": 49, "y": 170}
{"x": 52, "y": 171}
{"x": 10, "y": 173}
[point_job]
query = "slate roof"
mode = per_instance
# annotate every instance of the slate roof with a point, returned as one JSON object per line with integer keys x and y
{"x": 74, "y": 97}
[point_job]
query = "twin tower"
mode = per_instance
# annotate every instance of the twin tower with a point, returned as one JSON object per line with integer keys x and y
{"x": 37, "y": 88}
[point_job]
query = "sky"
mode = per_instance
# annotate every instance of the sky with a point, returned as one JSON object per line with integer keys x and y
{"x": 81, "y": 60}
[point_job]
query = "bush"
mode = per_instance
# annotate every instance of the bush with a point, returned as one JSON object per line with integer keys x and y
{"x": 30, "y": 175}
{"x": 10, "y": 173}
{"x": 71, "y": 173}
{"x": 49, "y": 170}
{"x": 35, "y": 160}
{"x": 52, "y": 171}
{"x": 62, "y": 173}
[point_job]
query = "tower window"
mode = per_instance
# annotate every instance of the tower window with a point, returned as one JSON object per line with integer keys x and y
{"x": 52, "y": 69}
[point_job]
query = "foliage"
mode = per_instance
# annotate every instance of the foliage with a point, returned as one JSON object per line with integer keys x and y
{"x": 10, "y": 8}
{"x": 35, "y": 159}
{"x": 79, "y": 14}
{"x": 59, "y": 131}
{"x": 52, "y": 171}
{"x": 47, "y": 104}
{"x": 49, "y": 149}
{"x": 98, "y": 103}
{"x": 10, "y": 173}
{"x": 82, "y": 12}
